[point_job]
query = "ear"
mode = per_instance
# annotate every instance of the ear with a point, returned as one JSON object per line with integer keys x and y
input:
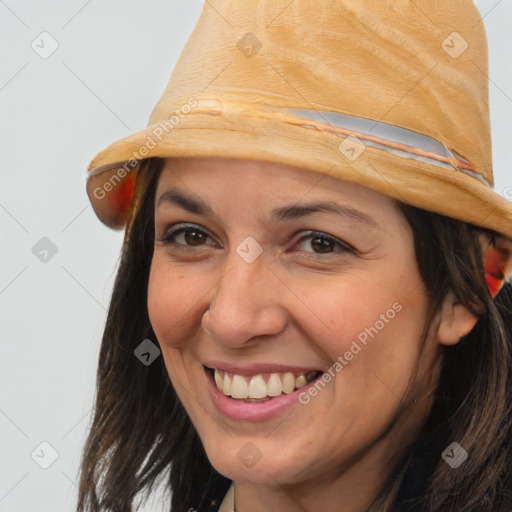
{"x": 456, "y": 321}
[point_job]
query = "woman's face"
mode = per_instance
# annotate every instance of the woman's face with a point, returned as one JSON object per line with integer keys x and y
{"x": 271, "y": 275}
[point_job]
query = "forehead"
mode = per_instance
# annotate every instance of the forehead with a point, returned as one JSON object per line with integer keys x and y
{"x": 225, "y": 189}
{"x": 257, "y": 179}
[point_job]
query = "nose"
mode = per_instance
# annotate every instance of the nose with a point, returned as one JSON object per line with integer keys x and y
{"x": 246, "y": 303}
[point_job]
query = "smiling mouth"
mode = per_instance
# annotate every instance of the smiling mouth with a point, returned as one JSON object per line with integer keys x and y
{"x": 261, "y": 387}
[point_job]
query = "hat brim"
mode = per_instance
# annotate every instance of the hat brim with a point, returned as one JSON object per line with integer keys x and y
{"x": 451, "y": 193}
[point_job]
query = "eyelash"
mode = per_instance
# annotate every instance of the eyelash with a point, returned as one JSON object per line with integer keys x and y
{"x": 170, "y": 236}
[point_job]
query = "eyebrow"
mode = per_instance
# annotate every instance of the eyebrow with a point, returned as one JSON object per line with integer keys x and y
{"x": 291, "y": 212}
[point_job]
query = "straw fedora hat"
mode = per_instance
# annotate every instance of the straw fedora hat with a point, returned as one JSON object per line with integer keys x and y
{"x": 392, "y": 95}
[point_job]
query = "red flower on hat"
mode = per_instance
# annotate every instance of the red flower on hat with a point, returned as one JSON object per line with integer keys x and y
{"x": 120, "y": 198}
{"x": 497, "y": 263}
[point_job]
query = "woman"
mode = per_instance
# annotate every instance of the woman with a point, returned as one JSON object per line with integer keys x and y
{"x": 309, "y": 312}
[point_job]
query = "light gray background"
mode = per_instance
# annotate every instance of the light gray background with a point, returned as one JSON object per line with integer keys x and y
{"x": 113, "y": 61}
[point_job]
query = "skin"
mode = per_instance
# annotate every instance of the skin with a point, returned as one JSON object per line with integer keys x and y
{"x": 299, "y": 303}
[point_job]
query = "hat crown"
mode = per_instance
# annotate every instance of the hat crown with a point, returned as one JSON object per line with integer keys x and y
{"x": 390, "y": 94}
{"x": 421, "y": 66}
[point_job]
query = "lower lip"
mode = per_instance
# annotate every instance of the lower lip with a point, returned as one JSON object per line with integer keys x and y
{"x": 252, "y": 411}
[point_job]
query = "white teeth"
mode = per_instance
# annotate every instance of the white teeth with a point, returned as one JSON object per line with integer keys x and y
{"x": 288, "y": 383}
{"x": 274, "y": 386}
{"x": 257, "y": 387}
{"x": 238, "y": 387}
{"x": 226, "y": 385}
{"x": 301, "y": 381}
{"x": 219, "y": 380}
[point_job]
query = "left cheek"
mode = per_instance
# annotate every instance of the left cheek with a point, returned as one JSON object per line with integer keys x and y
{"x": 391, "y": 350}
{"x": 381, "y": 331}
{"x": 349, "y": 315}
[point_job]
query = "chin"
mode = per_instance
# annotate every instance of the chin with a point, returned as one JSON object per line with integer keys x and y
{"x": 247, "y": 464}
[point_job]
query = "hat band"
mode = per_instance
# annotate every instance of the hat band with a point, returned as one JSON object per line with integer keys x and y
{"x": 398, "y": 141}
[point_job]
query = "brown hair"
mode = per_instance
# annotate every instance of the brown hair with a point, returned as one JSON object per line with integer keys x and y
{"x": 141, "y": 432}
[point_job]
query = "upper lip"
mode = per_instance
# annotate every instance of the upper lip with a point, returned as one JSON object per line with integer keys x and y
{"x": 257, "y": 368}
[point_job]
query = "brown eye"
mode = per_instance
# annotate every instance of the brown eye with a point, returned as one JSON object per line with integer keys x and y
{"x": 193, "y": 237}
{"x": 187, "y": 236}
{"x": 322, "y": 245}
